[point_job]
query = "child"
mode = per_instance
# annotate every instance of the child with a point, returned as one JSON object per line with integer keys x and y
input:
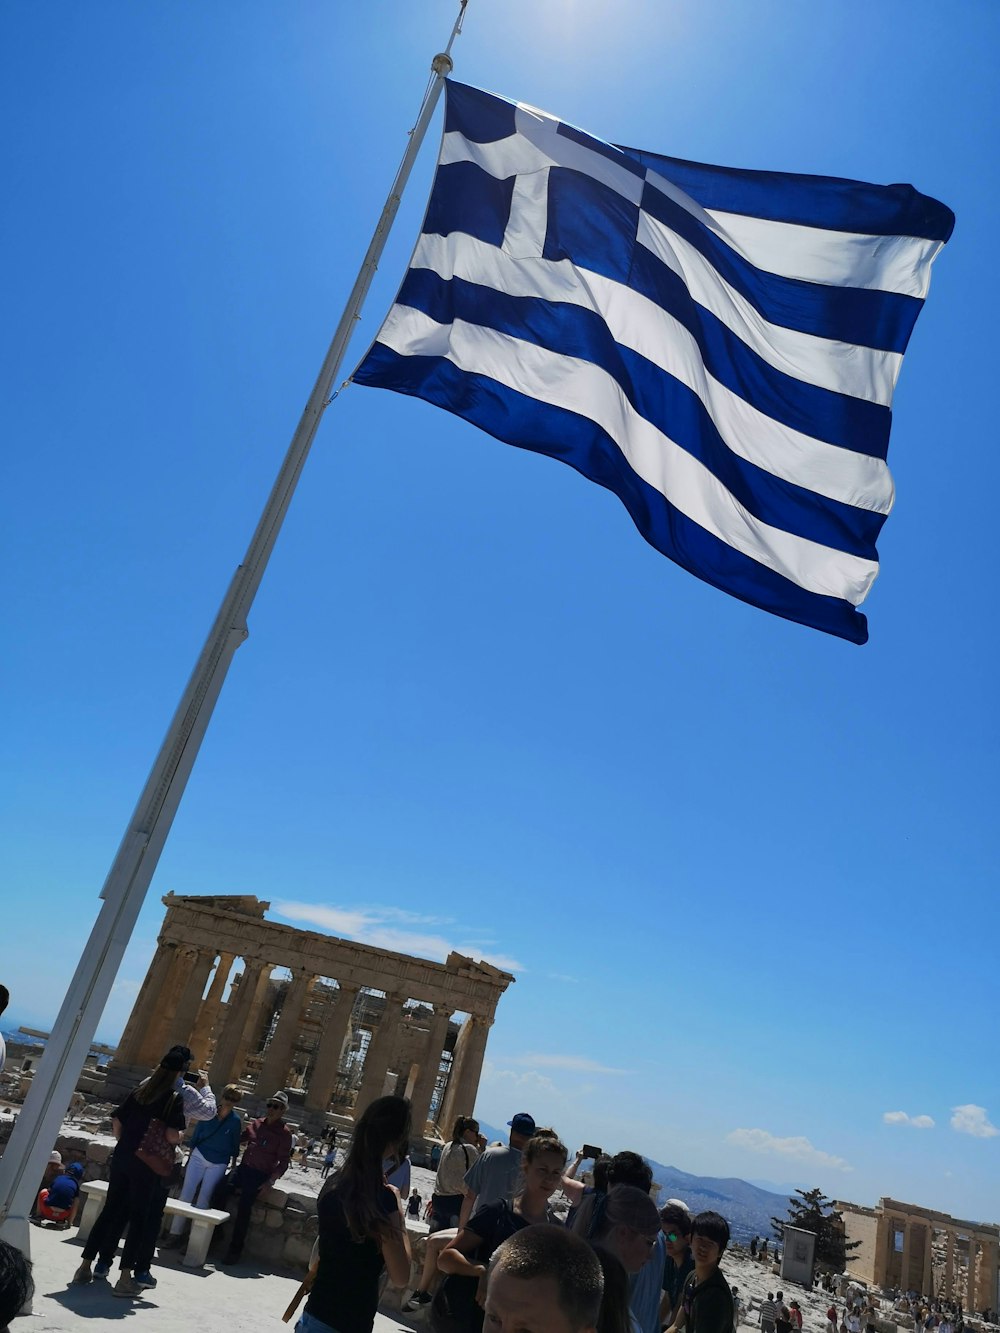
{"x": 59, "y": 1203}
{"x": 707, "y": 1302}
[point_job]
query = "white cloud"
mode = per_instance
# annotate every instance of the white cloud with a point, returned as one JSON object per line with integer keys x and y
{"x": 797, "y": 1148}
{"x": 393, "y": 928}
{"x": 512, "y": 1079}
{"x": 973, "y": 1120}
{"x": 577, "y": 1064}
{"x": 901, "y": 1118}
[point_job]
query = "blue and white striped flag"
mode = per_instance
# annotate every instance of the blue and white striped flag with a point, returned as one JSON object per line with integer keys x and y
{"x": 718, "y": 347}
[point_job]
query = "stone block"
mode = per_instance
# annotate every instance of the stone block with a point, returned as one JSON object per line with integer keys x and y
{"x": 304, "y": 1201}
{"x": 257, "y": 1214}
{"x": 297, "y": 1252}
{"x": 73, "y": 1147}
{"x": 275, "y": 1219}
{"x": 98, "y": 1152}
{"x": 266, "y": 1245}
{"x": 311, "y": 1227}
{"x": 273, "y": 1196}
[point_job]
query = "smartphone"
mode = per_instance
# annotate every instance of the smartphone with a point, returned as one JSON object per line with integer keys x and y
{"x": 590, "y": 1151}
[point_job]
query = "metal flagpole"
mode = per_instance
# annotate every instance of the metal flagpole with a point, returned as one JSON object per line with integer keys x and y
{"x": 128, "y": 879}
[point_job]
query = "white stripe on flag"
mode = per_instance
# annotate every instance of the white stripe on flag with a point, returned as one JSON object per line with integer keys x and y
{"x": 641, "y": 325}
{"x": 900, "y": 264}
{"x": 586, "y": 389}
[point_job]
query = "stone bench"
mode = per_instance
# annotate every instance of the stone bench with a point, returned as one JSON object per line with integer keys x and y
{"x": 203, "y": 1220}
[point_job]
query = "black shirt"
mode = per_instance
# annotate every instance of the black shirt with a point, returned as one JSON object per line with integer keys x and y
{"x": 708, "y": 1307}
{"x": 455, "y": 1304}
{"x": 135, "y": 1117}
{"x": 345, "y": 1292}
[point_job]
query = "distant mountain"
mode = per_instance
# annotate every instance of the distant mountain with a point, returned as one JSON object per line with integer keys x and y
{"x": 492, "y": 1133}
{"x": 747, "y": 1208}
{"x": 774, "y": 1188}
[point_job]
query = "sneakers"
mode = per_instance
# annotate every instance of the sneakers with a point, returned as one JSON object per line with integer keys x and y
{"x": 126, "y": 1286}
{"x": 417, "y": 1301}
{"x": 101, "y": 1269}
{"x": 145, "y": 1279}
{"x": 83, "y": 1274}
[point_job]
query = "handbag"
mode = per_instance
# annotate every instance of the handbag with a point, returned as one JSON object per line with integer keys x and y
{"x": 155, "y": 1150}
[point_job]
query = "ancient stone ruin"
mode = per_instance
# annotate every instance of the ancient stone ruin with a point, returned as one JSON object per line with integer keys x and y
{"x": 351, "y": 1023}
{"x": 918, "y": 1249}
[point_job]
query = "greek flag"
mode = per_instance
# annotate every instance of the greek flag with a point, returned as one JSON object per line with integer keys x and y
{"x": 717, "y": 347}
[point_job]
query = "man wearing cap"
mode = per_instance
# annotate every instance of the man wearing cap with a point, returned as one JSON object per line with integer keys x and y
{"x": 268, "y": 1151}
{"x": 494, "y": 1175}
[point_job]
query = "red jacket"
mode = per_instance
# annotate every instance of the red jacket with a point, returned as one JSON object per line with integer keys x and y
{"x": 269, "y": 1147}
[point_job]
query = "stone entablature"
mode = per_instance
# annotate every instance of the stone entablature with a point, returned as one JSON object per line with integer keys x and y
{"x": 352, "y": 1022}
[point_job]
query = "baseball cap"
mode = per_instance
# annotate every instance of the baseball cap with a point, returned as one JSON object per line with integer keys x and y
{"x": 523, "y": 1124}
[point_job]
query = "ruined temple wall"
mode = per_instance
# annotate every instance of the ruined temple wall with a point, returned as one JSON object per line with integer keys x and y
{"x": 350, "y": 1021}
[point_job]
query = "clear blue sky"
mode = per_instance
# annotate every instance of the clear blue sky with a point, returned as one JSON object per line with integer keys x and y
{"x": 746, "y": 874}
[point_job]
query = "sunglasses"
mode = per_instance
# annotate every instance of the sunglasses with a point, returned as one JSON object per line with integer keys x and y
{"x": 672, "y": 1236}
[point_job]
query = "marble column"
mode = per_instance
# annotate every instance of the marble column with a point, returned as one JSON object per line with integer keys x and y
{"x": 381, "y": 1052}
{"x": 467, "y": 1067}
{"x": 158, "y": 1032}
{"x": 278, "y": 1056}
{"x": 949, "y": 1265}
{"x": 430, "y": 1063}
{"x": 928, "y": 1260}
{"x": 230, "y": 1049}
{"x": 905, "y": 1282}
{"x": 988, "y": 1264}
{"x": 970, "y": 1290}
{"x": 208, "y": 1014}
{"x": 181, "y": 1026}
{"x": 336, "y": 1019}
{"x": 133, "y": 1037}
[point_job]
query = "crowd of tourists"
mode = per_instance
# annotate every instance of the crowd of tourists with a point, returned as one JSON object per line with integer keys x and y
{"x": 501, "y": 1250}
{"x": 515, "y": 1239}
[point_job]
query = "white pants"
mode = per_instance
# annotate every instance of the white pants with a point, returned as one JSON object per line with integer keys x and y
{"x": 199, "y": 1173}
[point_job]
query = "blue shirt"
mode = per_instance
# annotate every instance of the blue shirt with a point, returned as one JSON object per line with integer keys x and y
{"x": 63, "y": 1192}
{"x": 218, "y": 1141}
{"x": 646, "y": 1288}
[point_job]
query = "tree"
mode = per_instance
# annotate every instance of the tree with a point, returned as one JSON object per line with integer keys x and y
{"x": 813, "y": 1211}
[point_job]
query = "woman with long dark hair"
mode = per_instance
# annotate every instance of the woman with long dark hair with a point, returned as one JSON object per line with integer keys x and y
{"x": 361, "y": 1228}
{"x": 457, "y": 1306}
{"x": 133, "y": 1187}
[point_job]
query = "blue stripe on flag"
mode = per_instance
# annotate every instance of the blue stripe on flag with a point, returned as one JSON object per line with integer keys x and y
{"x": 658, "y": 397}
{"x": 813, "y": 201}
{"x": 574, "y": 439}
